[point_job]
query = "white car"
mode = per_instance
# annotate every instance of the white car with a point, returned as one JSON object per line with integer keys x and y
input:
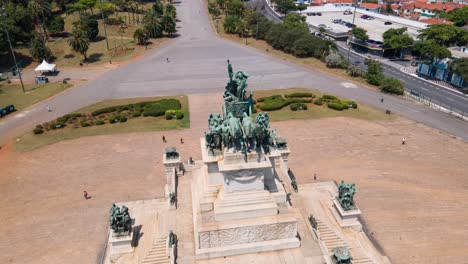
{"x": 322, "y": 26}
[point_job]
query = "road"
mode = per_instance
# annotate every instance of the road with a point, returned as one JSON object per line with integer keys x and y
{"x": 198, "y": 65}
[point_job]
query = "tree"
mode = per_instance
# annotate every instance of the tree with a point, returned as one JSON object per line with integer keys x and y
{"x": 392, "y": 85}
{"x": 141, "y": 36}
{"x": 234, "y": 25}
{"x": 295, "y": 20}
{"x": 152, "y": 25}
{"x": 430, "y": 49}
{"x": 169, "y": 24}
{"x": 388, "y": 8}
{"x": 235, "y": 8}
{"x": 19, "y": 23}
{"x": 79, "y": 42}
{"x": 444, "y": 35}
{"x": 360, "y": 33}
{"x": 460, "y": 67}
{"x": 106, "y": 8}
{"x": 459, "y": 16}
{"x": 39, "y": 51}
{"x": 397, "y": 39}
{"x": 39, "y": 8}
{"x": 309, "y": 45}
{"x": 158, "y": 8}
{"x": 171, "y": 10}
{"x": 56, "y": 24}
{"x": 335, "y": 61}
{"x": 88, "y": 25}
{"x": 301, "y": 7}
{"x": 285, "y": 6}
{"x": 374, "y": 73}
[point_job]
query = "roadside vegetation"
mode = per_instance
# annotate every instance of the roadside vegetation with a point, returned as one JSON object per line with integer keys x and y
{"x": 300, "y": 103}
{"x": 111, "y": 117}
{"x": 292, "y": 39}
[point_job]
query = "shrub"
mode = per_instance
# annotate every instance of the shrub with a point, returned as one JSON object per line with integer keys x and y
{"x": 318, "y": 101}
{"x": 105, "y": 110}
{"x": 112, "y": 119}
{"x": 392, "y": 85}
{"x": 39, "y": 126}
{"x": 179, "y": 114}
{"x": 65, "y": 118}
{"x": 136, "y": 113}
{"x": 335, "y": 106}
{"x": 122, "y": 118}
{"x": 298, "y": 106}
{"x": 354, "y": 71}
{"x": 300, "y": 95}
{"x": 170, "y": 114}
{"x": 38, "y": 131}
{"x": 273, "y": 97}
{"x": 57, "y": 125}
{"x": 335, "y": 61}
{"x": 329, "y": 97}
{"x": 85, "y": 123}
{"x": 100, "y": 123}
{"x": 160, "y": 107}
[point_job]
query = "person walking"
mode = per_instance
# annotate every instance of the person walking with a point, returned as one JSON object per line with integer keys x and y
{"x": 85, "y": 194}
{"x": 403, "y": 141}
{"x": 181, "y": 141}
{"x": 164, "y": 139}
{"x": 167, "y": 59}
{"x": 381, "y": 99}
{"x": 315, "y": 176}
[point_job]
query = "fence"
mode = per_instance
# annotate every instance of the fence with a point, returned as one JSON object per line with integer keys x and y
{"x": 437, "y": 105}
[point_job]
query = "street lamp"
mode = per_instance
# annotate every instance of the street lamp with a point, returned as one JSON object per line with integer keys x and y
{"x": 3, "y": 14}
{"x": 354, "y": 17}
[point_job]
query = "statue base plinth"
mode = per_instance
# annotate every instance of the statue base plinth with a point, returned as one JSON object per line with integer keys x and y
{"x": 120, "y": 244}
{"x": 346, "y": 218}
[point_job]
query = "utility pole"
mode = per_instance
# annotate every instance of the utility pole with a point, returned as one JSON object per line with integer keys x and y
{"x": 104, "y": 24}
{"x": 3, "y": 14}
{"x": 349, "y": 37}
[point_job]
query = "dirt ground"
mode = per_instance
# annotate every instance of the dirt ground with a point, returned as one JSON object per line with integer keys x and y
{"x": 413, "y": 196}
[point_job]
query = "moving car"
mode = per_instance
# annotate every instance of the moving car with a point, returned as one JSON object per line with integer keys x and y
{"x": 387, "y": 23}
{"x": 319, "y": 14}
{"x": 347, "y": 12}
{"x": 414, "y": 63}
{"x": 336, "y": 20}
{"x": 364, "y": 16}
{"x": 309, "y": 13}
{"x": 350, "y": 25}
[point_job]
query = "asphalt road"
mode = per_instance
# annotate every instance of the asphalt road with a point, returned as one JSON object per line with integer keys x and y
{"x": 198, "y": 65}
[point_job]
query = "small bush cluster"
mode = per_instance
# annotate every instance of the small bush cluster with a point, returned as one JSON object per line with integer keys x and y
{"x": 171, "y": 114}
{"x": 38, "y": 130}
{"x": 298, "y": 106}
{"x": 318, "y": 101}
{"x": 159, "y": 108}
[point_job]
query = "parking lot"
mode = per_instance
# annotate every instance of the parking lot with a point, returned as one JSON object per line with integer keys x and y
{"x": 375, "y": 28}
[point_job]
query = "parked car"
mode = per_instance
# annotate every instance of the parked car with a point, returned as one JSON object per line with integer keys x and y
{"x": 414, "y": 63}
{"x": 336, "y": 20}
{"x": 350, "y": 25}
{"x": 364, "y": 16}
{"x": 319, "y": 14}
{"x": 347, "y": 12}
{"x": 388, "y": 23}
{"x": 322, "y": 26}
{"x": 370, "y": 18}
{"x": 309, "y": 13}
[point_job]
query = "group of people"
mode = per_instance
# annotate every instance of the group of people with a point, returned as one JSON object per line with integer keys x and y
{"x": 164, "y": 140}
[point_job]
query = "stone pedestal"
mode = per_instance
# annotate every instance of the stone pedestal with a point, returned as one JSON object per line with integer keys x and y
{"x": 119, "y": 245}
{"x": 346, "y": 218}
{"x": 235, "y": 200}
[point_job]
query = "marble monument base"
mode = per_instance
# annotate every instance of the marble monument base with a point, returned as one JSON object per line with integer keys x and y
{"x": 346, "y": 218}
{"x": 119, "y": 245}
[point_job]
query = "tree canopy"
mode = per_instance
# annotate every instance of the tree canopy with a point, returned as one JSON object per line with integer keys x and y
{"x": 459, "y": 16}
{"x": 444, "y": 35}
{"x": 397, "y": 39}
{"x": 285, "y": 6}
{"x": 360, "y": 33}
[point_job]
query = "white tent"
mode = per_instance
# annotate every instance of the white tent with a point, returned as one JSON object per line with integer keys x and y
{"x": 45, "y": 67}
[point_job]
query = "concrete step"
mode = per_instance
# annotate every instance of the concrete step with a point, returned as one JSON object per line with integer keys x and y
{"x": 243, "y": 202}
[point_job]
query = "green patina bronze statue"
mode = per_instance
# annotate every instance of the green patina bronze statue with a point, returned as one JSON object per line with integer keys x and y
{"x": 236, "y": 129}
{"x": 345, "y": 197}
{"x": 172, "y": 239}
{"x": 171, "y": 153}
{"x": 341, "y": 255}
{"x": 120, "y": 220}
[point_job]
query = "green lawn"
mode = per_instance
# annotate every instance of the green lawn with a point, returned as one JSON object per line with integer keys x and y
{"x": 13, "y": 94}
{"x": 29, "y": 141}
{"x": 315, "y": 111}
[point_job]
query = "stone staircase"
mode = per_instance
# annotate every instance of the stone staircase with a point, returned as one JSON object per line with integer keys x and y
{"x": 157, "y": 254}
{"x": 332, "y": 240}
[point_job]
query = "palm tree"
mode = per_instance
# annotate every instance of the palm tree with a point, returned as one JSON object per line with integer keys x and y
{"x": 38, "y": 8}
{"x": 79, "y": 42}
{"x": 169, "y": 24}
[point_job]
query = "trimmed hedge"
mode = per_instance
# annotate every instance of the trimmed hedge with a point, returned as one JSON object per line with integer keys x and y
{"x": 329, "y": 97}
{"x": 99, "y": 123}
{"x": 179, "y": 114}
{"x": 300, "y": 95}
{"x": 273, "y": 97}
{"x": 65, "y": 118}
{"x": 276, "y": 102}
{"x": 298, "y": 106}
{"x": 160, "y": 107}
{"x": 335, "y": 106}
{"x": 85, "y": 124}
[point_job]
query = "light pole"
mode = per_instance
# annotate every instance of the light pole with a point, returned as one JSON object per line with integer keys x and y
{"x": 246, "y": 31}
{"x": 354, "y": 17}
{"x": 104, "y": 24}
{"x": 3, "y": 14}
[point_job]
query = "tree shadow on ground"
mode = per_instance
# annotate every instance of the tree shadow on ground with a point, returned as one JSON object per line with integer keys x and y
{"x": 95, "y": 57}
{"x": 98, "y": 38}
{"x": 69, "y": 56}
{"x": 6, "y": 61}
